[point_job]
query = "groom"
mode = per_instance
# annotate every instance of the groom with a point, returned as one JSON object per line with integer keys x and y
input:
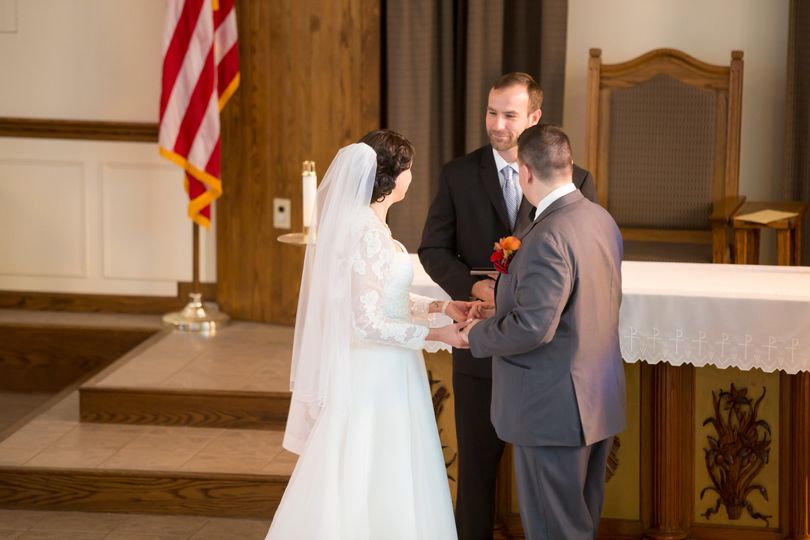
{"x": 557, "y": 377}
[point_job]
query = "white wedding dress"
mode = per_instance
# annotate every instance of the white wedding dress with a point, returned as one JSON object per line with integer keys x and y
{"x": 374, "y": 469}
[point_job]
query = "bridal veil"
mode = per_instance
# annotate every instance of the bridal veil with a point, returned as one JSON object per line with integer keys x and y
{"x": 323, "y": 328}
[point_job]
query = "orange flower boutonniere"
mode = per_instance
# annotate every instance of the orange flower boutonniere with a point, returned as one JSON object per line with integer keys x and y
{"x": 504, "y": 249}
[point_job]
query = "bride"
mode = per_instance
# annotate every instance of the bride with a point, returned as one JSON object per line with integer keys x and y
{"x": 370, "y": 463}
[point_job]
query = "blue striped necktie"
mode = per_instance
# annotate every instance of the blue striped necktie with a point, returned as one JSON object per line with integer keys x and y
{"x": 510, "y": 194}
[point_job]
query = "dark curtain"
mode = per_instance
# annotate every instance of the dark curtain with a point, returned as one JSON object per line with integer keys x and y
{"x": 441, "y": 57}
{"x": 797, "y": 137}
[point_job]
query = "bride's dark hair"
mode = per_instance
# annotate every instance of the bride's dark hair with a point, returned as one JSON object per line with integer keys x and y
{"x": 394, "y": 155}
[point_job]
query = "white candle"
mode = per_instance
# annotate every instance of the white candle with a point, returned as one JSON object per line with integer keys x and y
{"x": 310, "y": 186}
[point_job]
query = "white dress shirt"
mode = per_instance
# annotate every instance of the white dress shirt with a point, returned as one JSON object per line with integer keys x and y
{"x": 559, "y": 192}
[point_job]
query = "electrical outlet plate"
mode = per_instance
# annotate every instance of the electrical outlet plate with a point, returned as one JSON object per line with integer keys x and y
{"x": 282, "y": 209}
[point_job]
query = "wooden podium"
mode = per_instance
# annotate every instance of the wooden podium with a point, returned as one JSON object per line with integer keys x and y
{"x": 788, "y": 233}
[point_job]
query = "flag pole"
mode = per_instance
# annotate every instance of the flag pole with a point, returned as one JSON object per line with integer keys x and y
{"x": 195, "y": 256}
{"x": 197, "y": 317}
{"x": 192, "y": 124}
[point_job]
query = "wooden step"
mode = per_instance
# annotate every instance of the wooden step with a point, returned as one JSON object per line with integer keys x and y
{"x": 197, "y": 408}
{"x": 45, "y": 352}
{"x": 56, "y": 462}
{"x": 198, "y": 494}
{"x": 238, "y": 378}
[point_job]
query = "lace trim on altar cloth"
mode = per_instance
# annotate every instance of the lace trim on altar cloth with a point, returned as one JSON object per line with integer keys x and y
{"x": 723, "y": 350}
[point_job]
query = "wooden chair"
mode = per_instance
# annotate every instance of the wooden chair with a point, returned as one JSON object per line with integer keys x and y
{"x": 664, "y": 147}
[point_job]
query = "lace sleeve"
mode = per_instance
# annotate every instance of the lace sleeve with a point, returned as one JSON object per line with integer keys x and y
{"x": 419, "y": 305}
{"x": 371, "y": 264}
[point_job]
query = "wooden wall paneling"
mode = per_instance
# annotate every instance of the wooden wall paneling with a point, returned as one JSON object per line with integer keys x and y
{"x": 717, "y": 528}
{"x": 671, "y": 447}
{"x": 243, "y": 204}
{"x": 104, "y": 303}
{"x": 647, "y": 456}
{"x": 40, "y": 128}
{"x": 786, "y": 440}
{"x": 799, "y": 498}
{"x": 310, "y": 84}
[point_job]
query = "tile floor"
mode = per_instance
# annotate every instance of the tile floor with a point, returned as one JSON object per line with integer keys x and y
{"x": 57, "y": 439}
{"x": 243, "y": 356}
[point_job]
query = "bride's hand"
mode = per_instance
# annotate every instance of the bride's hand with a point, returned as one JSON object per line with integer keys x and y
{"x": 450, "y": 334}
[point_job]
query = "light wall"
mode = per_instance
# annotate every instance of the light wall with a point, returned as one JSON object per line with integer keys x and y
{"x": 707, "y": 30}
{"x": 85, "y": 59}
{"x": 89, "y": 216}
{"x": 100, "y": 60}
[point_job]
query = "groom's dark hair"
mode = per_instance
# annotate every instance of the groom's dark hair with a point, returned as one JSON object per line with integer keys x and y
{"x": 546, "y": 150}
{"x": 394, "y": 155}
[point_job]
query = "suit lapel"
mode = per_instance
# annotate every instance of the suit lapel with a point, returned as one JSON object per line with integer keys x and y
{"x": 524, "y": 218}
{"x": 492, "y": 185}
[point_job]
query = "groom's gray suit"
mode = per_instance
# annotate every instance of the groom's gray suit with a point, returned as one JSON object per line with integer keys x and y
{"x": 558, "y": 392}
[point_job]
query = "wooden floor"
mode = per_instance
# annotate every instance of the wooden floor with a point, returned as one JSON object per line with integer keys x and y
{"x": 183, "y": 424}
{"x": 38, "y": 525}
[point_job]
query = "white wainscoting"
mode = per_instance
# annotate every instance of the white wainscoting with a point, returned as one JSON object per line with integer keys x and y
{"x": 94, "y": 217}
{"x": 43, "y": 215}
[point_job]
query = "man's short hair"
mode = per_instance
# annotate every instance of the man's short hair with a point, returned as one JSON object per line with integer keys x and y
{"x": 522, "y": 79}
{"x": 546, "y": 150}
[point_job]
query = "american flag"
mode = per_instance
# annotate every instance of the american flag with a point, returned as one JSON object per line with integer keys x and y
{"x": 200, "y": 74}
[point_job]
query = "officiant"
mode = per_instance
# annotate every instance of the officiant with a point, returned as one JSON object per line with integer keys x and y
{"x": 479, "y": 200}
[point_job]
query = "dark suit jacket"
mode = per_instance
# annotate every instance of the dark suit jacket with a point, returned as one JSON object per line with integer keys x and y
{"x": 557, "y": 372}
{"x": 467, "y": 216}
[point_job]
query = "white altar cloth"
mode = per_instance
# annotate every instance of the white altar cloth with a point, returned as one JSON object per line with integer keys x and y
{"x": 742, "y": 316}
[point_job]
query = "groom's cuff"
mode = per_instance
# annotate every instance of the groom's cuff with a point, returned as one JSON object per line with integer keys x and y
{"x": 475, "y": 336}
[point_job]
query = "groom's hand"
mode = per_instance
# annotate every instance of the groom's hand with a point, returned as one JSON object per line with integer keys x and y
{"x": 484, "y": 289}
{"x": 482, "y": 310}
{"x": 460, "y": 311}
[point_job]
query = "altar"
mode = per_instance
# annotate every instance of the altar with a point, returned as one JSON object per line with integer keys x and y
{"x": 717, "y": 360}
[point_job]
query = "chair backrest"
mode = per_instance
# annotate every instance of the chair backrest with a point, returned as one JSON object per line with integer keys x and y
{"x": 664, "y": 142}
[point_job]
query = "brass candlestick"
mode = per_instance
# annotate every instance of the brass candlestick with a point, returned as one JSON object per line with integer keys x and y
{"x": 295, "y": 238}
